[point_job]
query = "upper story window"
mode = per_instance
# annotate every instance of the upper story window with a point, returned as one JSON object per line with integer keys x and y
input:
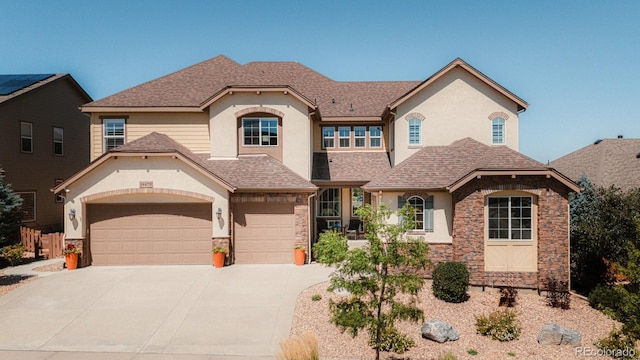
{"x": 113, "y": 133}
{"x": 328, "y": 137}
{"x": 360, "y": 136}
{"x": 260, "y": 131}
{"x": 375, "y": 136}
{"x": 58, "y": 138}
{"x": 329, "y": 203}
{"x": 344, "y": 137}
{"x": 497, "y": 131}
{"x": 415, "y": 126}
{"x": 510, "y": 217}
{"x": 26, "y": 137}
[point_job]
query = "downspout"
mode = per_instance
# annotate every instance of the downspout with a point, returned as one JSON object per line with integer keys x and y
{"x": 309, "y": 225}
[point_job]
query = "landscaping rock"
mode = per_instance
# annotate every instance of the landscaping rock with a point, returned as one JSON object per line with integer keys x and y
{"x": 552, "y": 334}
{"x": 439, "y": 331}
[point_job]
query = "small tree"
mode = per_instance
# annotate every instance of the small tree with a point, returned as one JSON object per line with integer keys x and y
{"x": 374, "y": 276}
{"x": 10, "y": 213}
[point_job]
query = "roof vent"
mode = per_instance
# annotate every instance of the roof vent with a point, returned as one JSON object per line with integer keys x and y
{"x": 620, "y": 136}
{"x": 597, "y": 142}
{"x": 351, "y": 107}
{"x": 638, "y": 156}
{"x": 333, "y": 101}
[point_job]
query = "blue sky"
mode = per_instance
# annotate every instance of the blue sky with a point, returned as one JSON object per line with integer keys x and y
{"x": 576, "y": 63}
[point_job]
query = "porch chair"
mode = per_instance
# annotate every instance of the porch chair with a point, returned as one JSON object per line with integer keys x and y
{"x": 353, "y": 229}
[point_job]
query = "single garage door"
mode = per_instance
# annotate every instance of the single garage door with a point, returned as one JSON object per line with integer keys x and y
{"x": 264, "y": 233}
{"x": 150, "y": 234}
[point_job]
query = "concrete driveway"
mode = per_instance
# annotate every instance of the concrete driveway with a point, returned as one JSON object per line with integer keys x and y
{"x": 240, "y": 310}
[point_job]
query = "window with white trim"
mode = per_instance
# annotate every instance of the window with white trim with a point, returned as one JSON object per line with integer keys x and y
{"x": 423, "y": 211}
{"x": 329, "y": 203}
{"x": 26, "y": 137}
{"x": 510, "y": 218}
{"x": 328, "y": 137}
{"x": 360, "y": 136}
{"x": 58, "y": 141}
{"x": 113, "y": 133}
{"x": 28, "y": 205}
{"x": 357, "y": 200}
{"x": 260, "y": 131}
{"x": 415, "y": 126}
{"x": 375, "y": 136}
{"x": 497, "y": 131}
{"x": 344, "y": 137}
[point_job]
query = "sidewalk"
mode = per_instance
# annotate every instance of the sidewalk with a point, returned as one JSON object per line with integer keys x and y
{"x": 48, "y": 355}
{"x": 27, "y": 269}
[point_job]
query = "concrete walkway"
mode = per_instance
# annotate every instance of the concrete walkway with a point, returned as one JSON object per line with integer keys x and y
{"x": 154, "y": 312}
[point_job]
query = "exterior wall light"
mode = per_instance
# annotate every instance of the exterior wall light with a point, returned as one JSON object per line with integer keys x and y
{"x": 72, "y": 214}
{"x": 219, "y": 213}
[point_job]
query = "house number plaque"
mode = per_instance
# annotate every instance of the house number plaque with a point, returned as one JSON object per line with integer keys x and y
{"x": 146, "y": 184}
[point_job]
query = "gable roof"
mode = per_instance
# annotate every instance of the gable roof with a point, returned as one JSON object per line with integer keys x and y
{"x": 17, "y": 85}
{"x": 449, "y": 167}
{"x": 246, "y": 173}
{"x": 196, "y": 87}
{"x": 605, "y": 163}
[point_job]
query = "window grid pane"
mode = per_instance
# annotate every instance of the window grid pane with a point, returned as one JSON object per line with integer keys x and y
{"x": 360, "y": 136}
{"x": 497, "y": 131}
{"x": 26, "y": 137}
{"x": 414, "y": 131}
{"x": 375, "y": 136}
{"x": 509, "y": 218}
{"x": 417, "y": 203}
{"x": 58, "y": 137}
{"x": 344, "y": 135}
{"x": 113, "y": 133}
{"x": 328, "y": 137}
{"x": 329, "y": 203}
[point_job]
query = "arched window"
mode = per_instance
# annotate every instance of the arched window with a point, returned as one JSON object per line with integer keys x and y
{"x": 329, "y": 203}
{"x": 415, "y": 126}
{"x": 497, "y": 131}
{"x": 423, "y": 207}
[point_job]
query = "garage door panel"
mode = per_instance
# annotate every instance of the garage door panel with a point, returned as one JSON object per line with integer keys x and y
{"x": 264, "y": 233}
{"x": 131, "y": 234}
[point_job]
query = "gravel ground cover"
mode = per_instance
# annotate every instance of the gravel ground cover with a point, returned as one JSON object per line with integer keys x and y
{"x": 11, "y": 282}
{"x": 313, "y": 316}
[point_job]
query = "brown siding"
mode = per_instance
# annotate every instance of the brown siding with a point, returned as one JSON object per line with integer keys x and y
{"x": 553, "y": 227}
{"x": 54, "y": 104}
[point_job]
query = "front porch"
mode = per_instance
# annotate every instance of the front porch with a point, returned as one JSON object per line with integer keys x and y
{"x": 336, "y": 210}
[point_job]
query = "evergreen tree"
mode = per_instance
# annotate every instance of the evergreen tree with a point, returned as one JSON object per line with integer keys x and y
{"x": 10, "y": 213}
{"x": 374, "y": 276}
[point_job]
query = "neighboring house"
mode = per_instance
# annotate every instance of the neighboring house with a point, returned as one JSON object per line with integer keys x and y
{"x": 607, "y": 162}
{"x": 262, "y": 156}
{"x": 46, "y": 140}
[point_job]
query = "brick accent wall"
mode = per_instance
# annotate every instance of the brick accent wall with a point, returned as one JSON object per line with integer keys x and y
{"x": 553, "y": 230}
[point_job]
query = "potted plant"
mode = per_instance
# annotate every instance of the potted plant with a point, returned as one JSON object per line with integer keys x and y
{"x": 71, "y": 254}
{"x": 218, "y": 256}
{"x": 299, "y": 254}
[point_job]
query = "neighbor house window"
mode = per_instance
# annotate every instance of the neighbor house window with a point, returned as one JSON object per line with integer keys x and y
{"x": 260, "y": 131}
{"x": 113, "y": 133}
{"x": 28, "y": 205}
{"x": 360, "y": 136}
{"x": 328, "y": 137}
{"x": 510, "y": 218}
{"x": 329, "y": 203}
{"x": 58, "y": 138}
{"x": 344, "y": 137}
{"x": 375, "y": 136}
{"x": 357, "y": 199}
{"x": 423, "y": 211}
{"x": 415, "y": 125}
{"x": 497, "y": 131}
{"x": 26, "y": 137}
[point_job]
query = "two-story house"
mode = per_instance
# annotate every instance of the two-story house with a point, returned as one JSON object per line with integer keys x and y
{"x": 262, "y": 156}
{"x": 46, "y": 140}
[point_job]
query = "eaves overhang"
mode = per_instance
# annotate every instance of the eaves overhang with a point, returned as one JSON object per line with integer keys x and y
{"x": 479, "y": 173}
{"x": 284, "y": 89}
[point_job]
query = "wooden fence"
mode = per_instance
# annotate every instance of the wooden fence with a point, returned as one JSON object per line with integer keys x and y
{"x": 42, "y": 245}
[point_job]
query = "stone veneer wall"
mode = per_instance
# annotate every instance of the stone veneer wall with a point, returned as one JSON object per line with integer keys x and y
{"x": 553, "y": 230}
{"x": 300, "y": 209}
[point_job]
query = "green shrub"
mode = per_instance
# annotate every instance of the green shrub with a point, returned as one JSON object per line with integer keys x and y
{"x": 618, "y": 345}
{"x": 472, "y": 352}
{"x": 558, "y": 294}
{"x": 13, "y": 253}
{"x": 331, "y": 248}
{"x": 393, "y": 341}
{"x": 449, "y": 356}
{"x": 500, "y": 325}
{"x": 451, "y": 282}
{"x": 508, "y": 296}
{"x": 620, "y": 303}
{"x": 316, "y": 297}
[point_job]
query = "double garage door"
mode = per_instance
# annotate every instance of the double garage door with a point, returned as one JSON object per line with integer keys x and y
{"x": 162, "y": 234}
{"x": 150, "y": 234}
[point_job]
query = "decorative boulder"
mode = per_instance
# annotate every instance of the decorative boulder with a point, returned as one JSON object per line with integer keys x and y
{"x": 439, "y": 331}
{"x": 552, "y": 334}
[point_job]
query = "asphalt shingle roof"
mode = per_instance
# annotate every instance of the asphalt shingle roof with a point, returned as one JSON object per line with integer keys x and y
{"x": 349, "y": 166}
{"x": 436, "y": 167}
{"x": 609, "y": 162}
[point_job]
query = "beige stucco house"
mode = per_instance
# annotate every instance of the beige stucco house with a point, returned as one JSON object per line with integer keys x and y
{"x": 263, "y": 156}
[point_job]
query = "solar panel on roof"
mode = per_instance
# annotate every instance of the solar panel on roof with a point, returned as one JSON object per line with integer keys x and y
{"x": 12, "y": 83}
